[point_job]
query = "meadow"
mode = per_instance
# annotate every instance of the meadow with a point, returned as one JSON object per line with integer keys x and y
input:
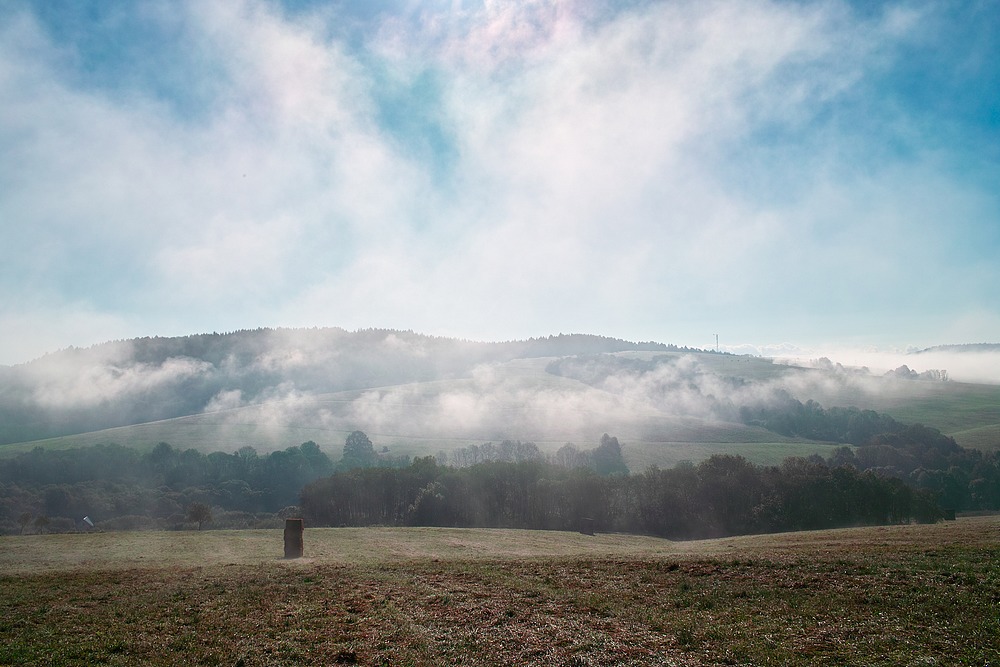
{"x": 914, "y": 595}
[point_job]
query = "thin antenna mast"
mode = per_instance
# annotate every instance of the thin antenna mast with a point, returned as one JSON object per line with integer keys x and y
{"x": 716, "y": 342}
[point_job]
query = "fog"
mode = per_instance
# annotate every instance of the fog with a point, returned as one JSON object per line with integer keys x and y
{"x": 981, "y": 366}
{"x": 264, "y": 386}
{"x": 660, "y": 397}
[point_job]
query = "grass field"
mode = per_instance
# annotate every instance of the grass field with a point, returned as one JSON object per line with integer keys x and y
{"x": 955, "y": 408}
{"x": 985, "y": 438}
{"x": 902, "y": 595}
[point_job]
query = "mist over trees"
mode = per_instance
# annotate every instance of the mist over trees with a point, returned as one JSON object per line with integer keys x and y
{"x": 121, "y": 488}
{"x": 905, "y": 474}
{"x": 604, "y": 459}
{"x": 146, "y": 379}
{"x": 724, "y": 495}
{"x": 358, "y": 451}
{"x": 791, "y": 417}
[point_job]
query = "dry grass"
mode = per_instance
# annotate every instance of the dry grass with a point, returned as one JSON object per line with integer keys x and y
{"x": 888, "y": 596}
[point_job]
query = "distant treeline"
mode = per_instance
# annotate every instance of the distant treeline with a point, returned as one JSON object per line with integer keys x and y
{"x": 121, "y": 488}
{"x": 725, "y": 495}
{"x": 897, "y": 473}
{"x": 885, "y": 472}
{"x": 961, "y": 479}
{"x": 605, "y": 459}
{"x": 791, "y": 417}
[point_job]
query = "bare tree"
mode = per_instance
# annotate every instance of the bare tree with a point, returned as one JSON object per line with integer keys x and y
{"x": 42, "y": 523}
{"x": 199, "y": 513}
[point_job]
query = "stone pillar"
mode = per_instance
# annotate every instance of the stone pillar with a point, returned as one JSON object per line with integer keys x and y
{"x": 293, "y": 538}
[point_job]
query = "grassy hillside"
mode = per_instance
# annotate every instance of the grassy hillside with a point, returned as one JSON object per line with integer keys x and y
{"x": 952, "y": 407}
{"x": 876, "y": 596}
{"x": 968, "y": 412}
{"x": 948, "y": 406}
{"x": 985, "y": 438}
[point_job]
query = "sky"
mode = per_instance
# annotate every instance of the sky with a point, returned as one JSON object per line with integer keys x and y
{"x": 794, "y": 175}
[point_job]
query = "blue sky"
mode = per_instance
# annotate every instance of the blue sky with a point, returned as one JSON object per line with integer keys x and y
{"x": 808, "y": 174}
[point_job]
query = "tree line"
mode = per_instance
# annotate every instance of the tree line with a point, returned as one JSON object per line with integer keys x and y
{"x": 724, "y": 495}
{"x": 604, "y": 459}
{"x": 899, "y": 472}
{"x": 122, "y": 488}
{"x": 962, "y": 479}
{"x": 887, "y": 472}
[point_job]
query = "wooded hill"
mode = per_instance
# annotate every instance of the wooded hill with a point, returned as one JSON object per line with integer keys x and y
{"x": 143, "y": 380}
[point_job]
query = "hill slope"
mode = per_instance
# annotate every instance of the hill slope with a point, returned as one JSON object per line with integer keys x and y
{"x": 143, "y": 380}
{"x": 420, "y": 395}
{"x": 518, "y": 400}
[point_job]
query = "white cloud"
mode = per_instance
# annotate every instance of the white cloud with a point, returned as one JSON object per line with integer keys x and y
{"x": 598, "y": 171}
{"x": 88, "y": 384}
{"x": 965, "y": 366}
{"x": 251, "y": 255}
{"x": 225, "y": 400}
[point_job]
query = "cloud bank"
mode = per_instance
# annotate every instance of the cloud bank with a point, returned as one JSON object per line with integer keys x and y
{"x": 497, "y": 170}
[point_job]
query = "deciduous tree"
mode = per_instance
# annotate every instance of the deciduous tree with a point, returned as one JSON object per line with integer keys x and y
{"x": 199, "y": 513}
{"x": 358, "y": 451}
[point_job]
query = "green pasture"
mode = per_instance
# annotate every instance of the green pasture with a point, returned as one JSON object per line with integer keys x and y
{"x": 952, "y": 407}
{"x": 985, "y": 438}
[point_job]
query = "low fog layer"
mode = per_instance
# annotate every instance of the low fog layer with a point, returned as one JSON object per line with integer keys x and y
{"x": 400, "y": 385}
{"x": 142, "y": 380}
{"x": 976, "y": 363}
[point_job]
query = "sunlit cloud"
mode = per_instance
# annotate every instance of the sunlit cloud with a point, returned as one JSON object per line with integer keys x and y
{"x": 495, "y": 170}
